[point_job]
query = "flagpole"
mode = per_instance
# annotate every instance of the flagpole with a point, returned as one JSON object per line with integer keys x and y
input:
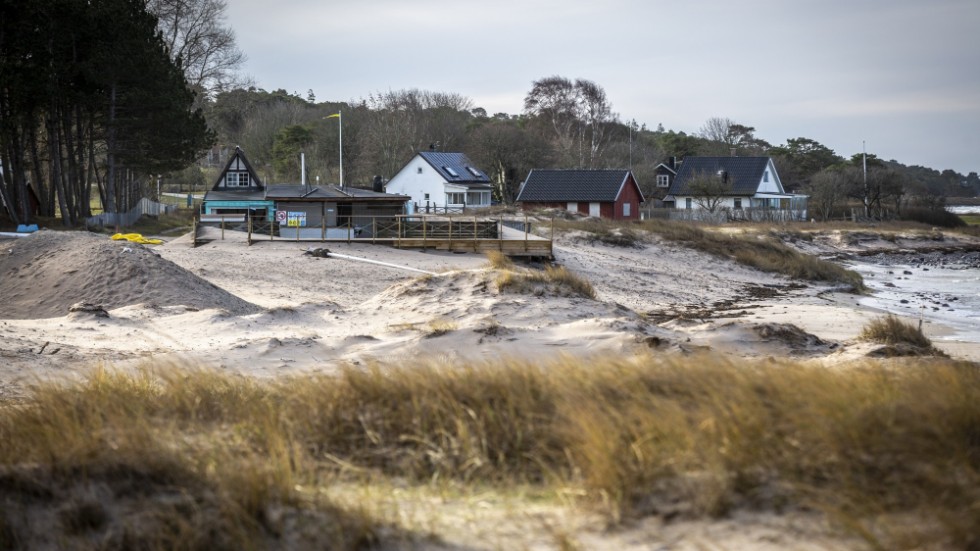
{"x": 340, "y": 129}
{"x": 340, "y": 150}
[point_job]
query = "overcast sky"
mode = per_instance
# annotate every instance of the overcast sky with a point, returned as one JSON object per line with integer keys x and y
{"x": 901, "y": 75}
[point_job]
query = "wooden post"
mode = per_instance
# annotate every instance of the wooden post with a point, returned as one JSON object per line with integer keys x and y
{"x": 272, "y": 227}
{"x": 475, "y": 233}
{"x": 249, "y": 228}
{"x": 500, "y": 233}
{"x": 350, "y": 220}
{"x": 323, "y": 227}
{"x": 450, "y": 232}
{"x": 526, "y": 230}
{"x": 423, "y": 232}
{"x": 374, "y": 229}
{"x": 399, "y": 236}
{"x": 222, "y": 227}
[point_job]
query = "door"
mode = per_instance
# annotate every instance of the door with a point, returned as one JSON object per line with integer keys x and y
{"x": 594, "y": 209}
{"x": 572, "y": 207}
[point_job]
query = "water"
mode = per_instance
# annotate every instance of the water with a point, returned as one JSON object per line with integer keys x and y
{"x": 964, "y": 209}
{"x": 946, "y": 294}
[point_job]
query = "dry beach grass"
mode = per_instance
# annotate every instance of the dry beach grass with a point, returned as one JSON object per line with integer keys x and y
{"x": 182, "y": 458}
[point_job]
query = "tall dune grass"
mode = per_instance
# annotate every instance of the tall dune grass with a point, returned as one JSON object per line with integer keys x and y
{"x": 869, "y": 446}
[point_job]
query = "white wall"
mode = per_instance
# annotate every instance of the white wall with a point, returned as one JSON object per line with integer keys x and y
{"x": 409, "y": 181}
{"x": 726, "y": 202}
{"x": 773, "y": 185}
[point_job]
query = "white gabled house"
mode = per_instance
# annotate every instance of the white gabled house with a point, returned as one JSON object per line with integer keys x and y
{"x": 438, "y": 182}
{"x": 747, "y": 183}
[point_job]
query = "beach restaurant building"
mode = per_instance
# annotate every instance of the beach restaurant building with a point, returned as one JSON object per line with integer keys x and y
{"x": 299, "y": 210}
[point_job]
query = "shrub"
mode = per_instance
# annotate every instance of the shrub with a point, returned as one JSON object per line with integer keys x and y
{"x": 934, "y": 217}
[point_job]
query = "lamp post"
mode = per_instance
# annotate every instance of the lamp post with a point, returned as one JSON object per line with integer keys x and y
{"x": 340, "y": 132}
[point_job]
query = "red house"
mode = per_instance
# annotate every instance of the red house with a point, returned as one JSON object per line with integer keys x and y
{"x": 612, "y": 194}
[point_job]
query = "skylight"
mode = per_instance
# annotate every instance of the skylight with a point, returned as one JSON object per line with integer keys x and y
{"x": 451, "y": 172}
{"x": 474, "y": 172}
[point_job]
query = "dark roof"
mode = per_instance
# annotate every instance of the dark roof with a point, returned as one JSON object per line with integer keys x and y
{"x": 277, "y": 192}
{"x": 321, "y": 193}
{"x": 744, "y": 173}
{"x": 448, "y": 163}
{"x": 574, "y": 185}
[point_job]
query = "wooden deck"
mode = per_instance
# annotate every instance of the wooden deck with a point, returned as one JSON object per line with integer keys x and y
{"x": 469, "y": 235}
{"x": 531, "y": 247}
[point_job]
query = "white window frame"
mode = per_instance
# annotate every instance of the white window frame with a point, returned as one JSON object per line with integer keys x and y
{"x": 663, "y": 180}
{"x": 627, "y": 208}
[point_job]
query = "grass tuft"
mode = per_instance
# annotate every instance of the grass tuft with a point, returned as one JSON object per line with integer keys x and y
{"x": 499, "y": 261}
{"x": 558, "y": 280}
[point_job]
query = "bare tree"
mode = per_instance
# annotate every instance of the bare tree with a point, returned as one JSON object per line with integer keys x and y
{"x": 196, "y": 34}
{"x": 709, "y": 190}
{"x": 827, "y": 189}
{"x": 597, "y": 112}
{"x": 577, "y": 112}
{"x": 402, "y": 122}
{"x": 555, "y": 100}
{"x": 725, "y": 135}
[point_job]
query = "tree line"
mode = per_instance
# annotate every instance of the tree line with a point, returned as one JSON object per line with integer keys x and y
{"x": 101, "y": 98}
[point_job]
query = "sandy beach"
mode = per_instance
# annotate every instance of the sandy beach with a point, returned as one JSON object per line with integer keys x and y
{"x": 270, "y": 309}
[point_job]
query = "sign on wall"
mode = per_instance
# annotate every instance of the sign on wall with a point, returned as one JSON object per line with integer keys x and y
{"x": 280, "y": 216}
{"x": 296, "y": 219}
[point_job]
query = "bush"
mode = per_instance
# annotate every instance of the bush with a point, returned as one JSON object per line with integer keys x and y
{"x": 934, "y": 217}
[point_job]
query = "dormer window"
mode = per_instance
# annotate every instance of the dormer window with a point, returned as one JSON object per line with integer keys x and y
{"x": 451, "y": 172}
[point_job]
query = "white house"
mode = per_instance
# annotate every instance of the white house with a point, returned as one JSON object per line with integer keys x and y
{"x": 746, "y": 182}
{"x": 438, "y": 182}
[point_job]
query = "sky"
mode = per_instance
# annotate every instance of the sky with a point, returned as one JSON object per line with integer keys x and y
{"x": 901, "y": 77}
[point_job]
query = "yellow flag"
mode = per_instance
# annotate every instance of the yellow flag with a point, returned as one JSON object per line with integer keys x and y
{"x": 332, "y": 116}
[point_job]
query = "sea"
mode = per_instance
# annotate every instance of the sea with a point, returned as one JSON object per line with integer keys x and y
{"x": 964, "y": 209}
{"x": 936, "y": 288}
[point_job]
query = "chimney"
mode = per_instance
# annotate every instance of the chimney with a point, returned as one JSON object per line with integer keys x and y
{"x": 672, "y": 163}
{"x": 378, "y": 185}
{"x": 732, "y": 150}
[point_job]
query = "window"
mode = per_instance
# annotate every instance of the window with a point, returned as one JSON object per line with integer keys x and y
{"x": 765, "y": 176}
{"x": 738, "y": 202}
{"x": 687, "y": 203}
{"x": 474, "y": 172}
{"x": 451, "y": 172}
{"x": 426, "y": 197}
{"x": 455, "y": 198}
{"x": 236, "y": 179}
{"x": 663, "y": 180}
{"x": 420, "y": 170}
{"x": 626, "y": 209}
